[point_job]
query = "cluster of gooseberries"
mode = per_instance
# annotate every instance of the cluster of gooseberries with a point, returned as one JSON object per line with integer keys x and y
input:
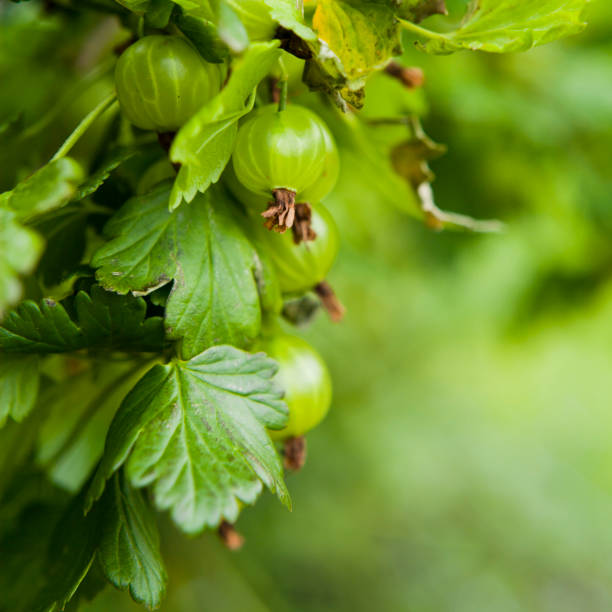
{"x": 284, "y": 162}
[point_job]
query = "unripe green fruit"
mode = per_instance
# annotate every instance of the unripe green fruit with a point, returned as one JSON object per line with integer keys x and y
{"x": 306, "y": 381}
{"x": 300, "y": 267}
{"x": 255, "y": 16}
{"x": 162, "y": 81}
{"x": 290, "y": 149}
{"x": 331, "y": 168}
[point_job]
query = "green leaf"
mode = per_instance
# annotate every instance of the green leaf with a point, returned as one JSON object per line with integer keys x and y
{"x": 143, "y": 247}
{"x": 25, "y": 487}
{"x": 49, "y": 188}
{"x": 111, "y": 321}
{"x": 24, "y": 557}
{"x": 214, "y": 299}
{"x": 223, "y": 20}
{"x": 18, "y": 386}
{"x": 64, "y": 232}
{"x": 103, "y": 320}
{"x": 200, "y": 8}
{"x": 195, "y": 432}
{"x": 356, "y": 37}
{"x": 79, "y": 411}
{"x": 203, "y": 146}
{"x": 287, "y": 14}
{"x": 20, "y": 249}
{"x": 136, "y": 6}
{"x": 231, "y": 30}
{"x": 39, "y": 328}
{"x": 53, "y": 549}
{"x": 323, "y": 73}
{"x": 94, "y": 582}
{"x": 129, "y": 547}
{"x": 46, "y": 557}
{"x": 158, "y": 13}
{"x": 70, "y": 555}
{"x": 16, "y": 443}
{"x": 203, "y": 34}
{"x": 504, "y": 26}
{"x": 95, "y": 180}
{"x": 362, "y": 35}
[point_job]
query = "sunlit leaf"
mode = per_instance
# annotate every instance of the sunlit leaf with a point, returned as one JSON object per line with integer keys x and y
{"x": 203, "y": 146}
{"x": 504, "y": 26}
{"x": 195, "y": 432}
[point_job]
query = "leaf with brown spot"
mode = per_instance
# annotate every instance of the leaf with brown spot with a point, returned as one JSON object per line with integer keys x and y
{"x": 356, "y": 37}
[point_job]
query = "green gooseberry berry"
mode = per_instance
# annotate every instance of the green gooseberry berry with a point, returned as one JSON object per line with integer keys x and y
{"x": 303, "y": 375}
{"x": 300, "y": 267}
{"x": 162, "y": 81}
{"x": 288, "y": 155}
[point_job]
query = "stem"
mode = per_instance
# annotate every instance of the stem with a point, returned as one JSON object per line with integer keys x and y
{"x": 329, "y": 300}
{"x": 419, "y": 31}
{"x": 284, "y": 85}
{"x": 436, "y": 218}
{"x": 409, "y": 77}
{"x": 282, "y": 103}
{"x": 96, "y": 209}
{"x": 140, "y": 27}
{"x": 83, "y": 126}
{"x": 389, "y": 121}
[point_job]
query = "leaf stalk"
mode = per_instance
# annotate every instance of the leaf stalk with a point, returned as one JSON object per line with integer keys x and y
{"x": 84, "y": 125}
{"x": 419, "y": 31}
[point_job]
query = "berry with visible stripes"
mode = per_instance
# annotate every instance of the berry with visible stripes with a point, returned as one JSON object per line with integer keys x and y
{"x": 288, "y": 155}
{"x": 162, "y": 81}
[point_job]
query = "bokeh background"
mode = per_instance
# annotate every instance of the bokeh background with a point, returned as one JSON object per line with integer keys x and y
{"x": 466, "y": 463}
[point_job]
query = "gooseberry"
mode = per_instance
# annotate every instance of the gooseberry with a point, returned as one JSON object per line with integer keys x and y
{"x": 288, "y": 155}
{"x": 300, "y": 267}
{"x": 162, "y": 81}
{"x": 303, "y": 375}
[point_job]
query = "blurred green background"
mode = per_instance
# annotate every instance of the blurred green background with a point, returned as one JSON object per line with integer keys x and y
{"x": 466, "y": 464}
